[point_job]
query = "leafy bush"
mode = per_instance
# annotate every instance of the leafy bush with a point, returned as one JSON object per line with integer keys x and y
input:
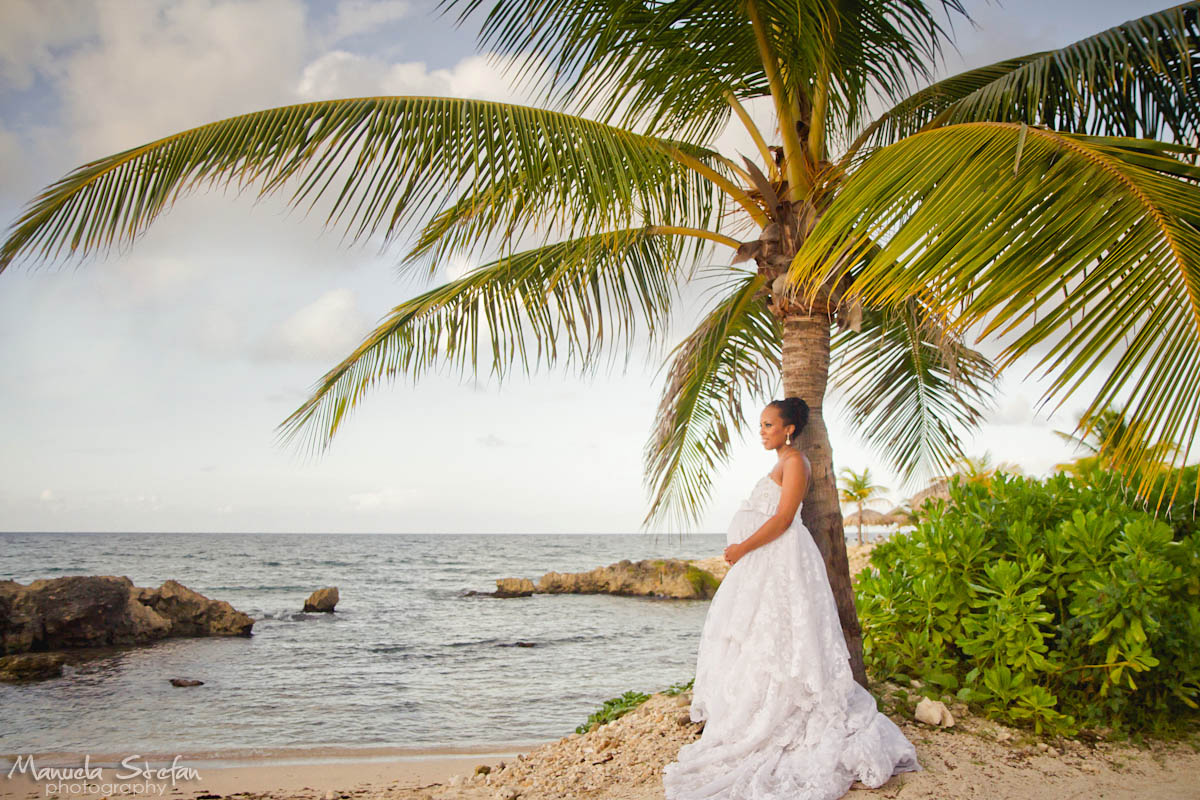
{"x": 614, "y": 708}
{"x": 1060, "y": 604}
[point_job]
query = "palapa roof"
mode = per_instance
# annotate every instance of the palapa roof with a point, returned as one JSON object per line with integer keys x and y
{"x": 869, "y": 517}
{"x": 939, "y": 490}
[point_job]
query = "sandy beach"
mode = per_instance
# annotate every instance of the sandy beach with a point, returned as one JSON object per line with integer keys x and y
{"x": 276, "y": 773}
{"x": 623, "y": 760}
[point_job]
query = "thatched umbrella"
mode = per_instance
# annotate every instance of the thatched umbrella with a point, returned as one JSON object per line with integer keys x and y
{"x": 939, "y": 490}
{"x": 868, "y": 516}
{"x": 898, "y": 516}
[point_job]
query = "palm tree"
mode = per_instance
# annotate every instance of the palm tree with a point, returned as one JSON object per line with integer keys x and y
{"x": 987, "y": 201}
{"x": 858, "y": 489}
{"x": 981, "y": 469}
{"x": 1099, "y": 438}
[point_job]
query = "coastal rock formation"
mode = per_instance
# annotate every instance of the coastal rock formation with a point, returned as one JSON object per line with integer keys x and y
{"x": 648, "y": 578}
{"x": 323, "y": 599}
{"x": 513, "y": 587}
{"x": 98, "y": 611}
{"x": 31, "y": 666}
{"x": 664, "y": 577}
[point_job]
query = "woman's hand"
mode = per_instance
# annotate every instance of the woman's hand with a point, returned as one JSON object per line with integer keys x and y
{"x": 734, "y": 552}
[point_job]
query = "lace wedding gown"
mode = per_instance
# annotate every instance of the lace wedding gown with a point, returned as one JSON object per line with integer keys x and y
{"x": 784, "y": 718}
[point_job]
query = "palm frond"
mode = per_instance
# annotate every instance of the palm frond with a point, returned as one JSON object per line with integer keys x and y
{"x": 1137, "y": 79}
{"x": 1083, "y": 252}
{"x": 565, "y": 302}
{"x": 912, "y": 388}
{"x": 667, "y": 66}
{"x": 734, "y": 354}
{"x": 385, "y": 163}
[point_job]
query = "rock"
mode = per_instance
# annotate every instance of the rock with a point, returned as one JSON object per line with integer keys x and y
{"x": 507, "y": 794}
{"x": 514, "y": 587}
{"x": 648, "y": 578}
{"x": 193, "y": 614}
{"x": 186, "y": 682}
{"x": 934, "y": 712}
{"x": 99, "y": 611}
{"x": 322, "y": 600}
{"x": 482, "y": 769}
{"x": 31, "y": 666}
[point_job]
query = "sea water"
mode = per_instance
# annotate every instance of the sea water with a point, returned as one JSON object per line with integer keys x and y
{"x": 408, "y": 660}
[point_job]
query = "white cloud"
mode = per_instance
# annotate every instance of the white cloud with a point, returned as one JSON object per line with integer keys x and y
{"x": 47, "y": 496}
{"x": 152, "y": 68}
{"x": 32, "y": 30}
{"x": 353, "y": 17}
{"x": 343, "y": 74}
{"x": 326, "y": 329}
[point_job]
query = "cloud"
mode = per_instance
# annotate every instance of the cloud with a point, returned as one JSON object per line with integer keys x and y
{"x": 354, "y": 17}
{"x": 32, "y": 31}
{"x": 343, "y": 74}
{"x": 326, "y": 329}
{"x": 47, "y": 496}
{"x": 492, "y": 440}
{"x": 149, "y": 69}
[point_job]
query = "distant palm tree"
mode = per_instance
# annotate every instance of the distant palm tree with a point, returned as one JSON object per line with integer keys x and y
{"x": 857, "y": 488}
{"x": 1040, "y": 190}
{"x": 981, "y": 469}
{"x": 1100, "y": 438}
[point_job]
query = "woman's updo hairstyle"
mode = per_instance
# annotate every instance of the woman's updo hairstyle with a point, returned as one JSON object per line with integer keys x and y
{"x": 794, "y": 412}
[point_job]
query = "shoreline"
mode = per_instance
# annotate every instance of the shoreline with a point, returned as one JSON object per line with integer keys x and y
{"x": 319, "y": 770}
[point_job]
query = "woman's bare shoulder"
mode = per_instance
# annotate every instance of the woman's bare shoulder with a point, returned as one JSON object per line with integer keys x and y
{"x": 801, "y": 460}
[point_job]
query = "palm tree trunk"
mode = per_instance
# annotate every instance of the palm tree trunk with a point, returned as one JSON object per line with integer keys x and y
{"x": 860, "y": 509}
{"x": 805, "y": 373}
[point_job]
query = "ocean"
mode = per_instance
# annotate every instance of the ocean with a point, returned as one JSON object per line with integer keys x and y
{"x": 408, "y": 660}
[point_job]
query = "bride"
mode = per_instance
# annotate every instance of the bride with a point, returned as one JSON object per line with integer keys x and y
{"x": 783, "y": 716}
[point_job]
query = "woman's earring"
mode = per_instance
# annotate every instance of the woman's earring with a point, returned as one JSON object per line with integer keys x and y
{"x": 789, "y": 439}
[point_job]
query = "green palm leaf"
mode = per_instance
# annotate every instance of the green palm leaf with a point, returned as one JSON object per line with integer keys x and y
{"x": 668, "y": 65}
{"x": 1138, "y": 79}
{"x": 568, "y": 301}
{"x": 1083, "y": 252}
{"x": 912, "y": 388}
{"x": 391, "y": 161}
{"x": 733, "y": 354}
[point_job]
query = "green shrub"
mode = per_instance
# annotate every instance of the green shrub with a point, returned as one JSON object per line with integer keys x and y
{"x": 614, "y": 708}
{"x": 1060, "y": 604}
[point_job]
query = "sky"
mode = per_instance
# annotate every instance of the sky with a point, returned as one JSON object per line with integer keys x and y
{"x": 141, "y": 391}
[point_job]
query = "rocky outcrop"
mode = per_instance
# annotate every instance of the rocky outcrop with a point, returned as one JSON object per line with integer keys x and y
{"x": 31, "y": 666}
{"x": 513, "y": 587}
{"x": 694, "y": 579}
{"x": 648, "y": 578}
{"x": 98, "y": 611}
{"x": 323, "y": 599}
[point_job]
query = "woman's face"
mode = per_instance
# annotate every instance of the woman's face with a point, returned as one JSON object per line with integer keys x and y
{"x": 771, "y": 428}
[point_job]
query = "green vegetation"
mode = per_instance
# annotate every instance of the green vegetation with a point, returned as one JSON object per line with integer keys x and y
{"x": 703, "y": 581}
{"x": 613, "y": 708}
{"x": 617, "y": 707}
{"x": 1061, "y": 604}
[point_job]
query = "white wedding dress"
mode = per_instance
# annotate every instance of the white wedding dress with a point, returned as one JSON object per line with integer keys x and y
{"x": 784, "y": 718}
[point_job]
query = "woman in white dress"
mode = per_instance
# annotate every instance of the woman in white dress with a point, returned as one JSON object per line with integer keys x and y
{"x": 783, "y": 716}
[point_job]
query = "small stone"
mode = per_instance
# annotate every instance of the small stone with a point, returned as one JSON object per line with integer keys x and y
{"x": 185, "y": 682}
{"x": 934, "y": 712}
{"x": 329, "y": 796}
{"x": 1043, "y": 746}
{"x": 482, "y": 769}
{"x": 681, "y": 700}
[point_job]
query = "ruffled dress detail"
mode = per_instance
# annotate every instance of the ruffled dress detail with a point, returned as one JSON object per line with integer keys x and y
{"x": 784, "y": 717}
